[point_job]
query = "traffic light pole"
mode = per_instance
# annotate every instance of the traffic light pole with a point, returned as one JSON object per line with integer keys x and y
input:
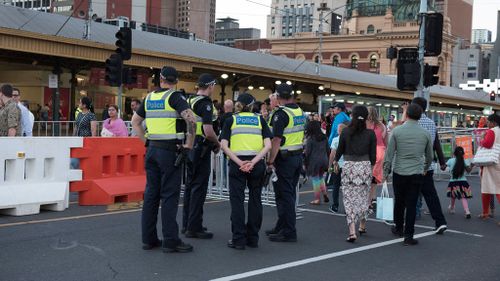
{"x": 120, "y": 90}
{"x": 421, "y": 51}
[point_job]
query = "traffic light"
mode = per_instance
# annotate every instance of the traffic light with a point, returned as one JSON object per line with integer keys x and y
{"x": 129, "y": 76}
{"x": 431, "y": 76}
{"x": 392, "y": 53}
{"x": 433, "y": 34}
{"x": 492, "y": 96}
{"x": 124, "y": 42}
{"x": 114, "y": 66}
{"x": 408, "y": 69}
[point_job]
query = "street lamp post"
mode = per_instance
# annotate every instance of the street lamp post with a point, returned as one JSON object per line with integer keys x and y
{"x": 223, "y": 83}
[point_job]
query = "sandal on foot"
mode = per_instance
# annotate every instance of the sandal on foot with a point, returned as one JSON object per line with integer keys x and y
{"x": 315, "y": 202}
{"x": 362, "y": 231}
{"x": 325, "y": 198}
{"x": 351, "y": 238}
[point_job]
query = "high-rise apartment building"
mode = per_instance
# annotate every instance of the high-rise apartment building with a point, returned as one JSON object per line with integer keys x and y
{"x": 194, "y": 16}
{"x": 289, "y": 17}
{"x": 480, "y": 36}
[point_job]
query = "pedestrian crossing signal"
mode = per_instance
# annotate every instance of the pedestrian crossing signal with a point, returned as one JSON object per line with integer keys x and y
{"x": 492, "y": 96}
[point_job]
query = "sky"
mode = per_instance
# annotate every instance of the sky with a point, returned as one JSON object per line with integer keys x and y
{"x": 252, "y": 13}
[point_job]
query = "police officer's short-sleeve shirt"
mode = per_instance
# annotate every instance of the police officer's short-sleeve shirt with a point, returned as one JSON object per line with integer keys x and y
{"x": 226, "y": 130}
{"x": 204, "y": 109}
{"x": 177, "y": 101}
{"x": 280, "y": 120}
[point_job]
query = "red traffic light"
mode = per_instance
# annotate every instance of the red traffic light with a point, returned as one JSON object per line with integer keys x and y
{"x": 492, "y": 96}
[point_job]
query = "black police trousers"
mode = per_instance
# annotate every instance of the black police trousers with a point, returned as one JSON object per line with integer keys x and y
{"x": 288, "y": 172}
{"x": 238, "y": 181}
{"x": 195, "y": 193}
{"x": 163, "y": 185}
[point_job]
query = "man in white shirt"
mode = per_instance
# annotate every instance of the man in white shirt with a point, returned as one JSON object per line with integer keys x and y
{"x": 27, "y": 118}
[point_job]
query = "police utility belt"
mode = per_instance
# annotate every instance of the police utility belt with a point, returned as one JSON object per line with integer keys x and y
{"x": 285, "y": 153}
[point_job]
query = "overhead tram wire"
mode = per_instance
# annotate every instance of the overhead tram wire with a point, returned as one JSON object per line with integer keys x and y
{"x": 69, "y": 17}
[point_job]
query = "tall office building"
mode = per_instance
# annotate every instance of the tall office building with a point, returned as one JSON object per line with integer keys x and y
{"x": 194, "y": 16}
{"x": 289, "y": 17}
{"x": 480, "y": 36}
{"x": 495, "y": 54}
{"x": 228, "y": 30}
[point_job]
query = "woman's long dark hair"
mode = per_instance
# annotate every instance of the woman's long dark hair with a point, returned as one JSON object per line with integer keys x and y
{"x": 358, "y": 122}
{"x": 88, "y": 103}
{"x": 459, "y": 168}
{"x": 313, "y": 130}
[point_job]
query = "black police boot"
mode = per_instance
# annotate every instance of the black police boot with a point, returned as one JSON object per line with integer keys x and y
{"x": 232, "y": 245}
{"x": 282, "y": 238}
{"x": 151, "y": 246}
{"x": 409, "y": 241}
{"x": 180, "y": 248}
{"x": 271, "y": 231}
{"x": 200, "y": 234}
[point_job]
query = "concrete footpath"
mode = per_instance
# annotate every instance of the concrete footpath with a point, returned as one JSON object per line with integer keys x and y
{"x": 103, "y": 243}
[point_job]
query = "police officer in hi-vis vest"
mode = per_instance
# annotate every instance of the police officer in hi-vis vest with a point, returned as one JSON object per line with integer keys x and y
{"x": 199, "y": 165}
{"x": 168, "y": 116}
{"x": 286, "y": 158}
{"x": 245, "y": 139}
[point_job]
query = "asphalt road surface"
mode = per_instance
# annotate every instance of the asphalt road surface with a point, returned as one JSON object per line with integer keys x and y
{"x": 100, "y": 243}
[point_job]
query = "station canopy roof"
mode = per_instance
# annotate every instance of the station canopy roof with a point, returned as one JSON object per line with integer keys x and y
{"x": 46, "y": 23}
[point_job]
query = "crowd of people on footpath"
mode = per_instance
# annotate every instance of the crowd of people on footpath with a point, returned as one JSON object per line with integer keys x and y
{"x": 353, "y": 152}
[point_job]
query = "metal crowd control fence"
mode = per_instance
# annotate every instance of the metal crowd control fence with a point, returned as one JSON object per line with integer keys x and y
{"x": 468, "y": 138}
{"x": 64, "y": 128}
{"x": 218, "y": 185}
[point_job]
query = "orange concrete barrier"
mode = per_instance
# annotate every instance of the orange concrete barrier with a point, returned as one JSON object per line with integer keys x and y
{"x": 113, "y": 171}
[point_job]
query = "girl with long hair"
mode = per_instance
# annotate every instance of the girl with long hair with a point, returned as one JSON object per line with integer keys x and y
{"x": 316, "y": 160}
{"x": 358, "y": 145}
{"x": 459, "y": 188}
{"x": 373, "y": 123}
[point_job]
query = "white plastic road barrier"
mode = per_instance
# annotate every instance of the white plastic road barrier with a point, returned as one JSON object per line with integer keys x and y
{"x": 35, "y": 173}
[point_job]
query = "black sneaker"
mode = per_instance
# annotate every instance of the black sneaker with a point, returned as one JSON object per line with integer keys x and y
{"x": 271, "y": 232}
{"x": 181, "y": 248}
{"x": 410, "y": 242}
{"x": 231, "y": 245}
{"x": 396, "y": 231}
{"x": 441, "y": 229}
{"x": 281, "y": 238}
{"x": 151, "y": 246}
{"x": 333, "y": 210}
{"x": 200, "y": 235}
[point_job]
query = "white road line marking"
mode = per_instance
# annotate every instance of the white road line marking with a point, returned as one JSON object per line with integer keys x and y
{"x": 381, "y": 221}
{"x": 316, "y": 259}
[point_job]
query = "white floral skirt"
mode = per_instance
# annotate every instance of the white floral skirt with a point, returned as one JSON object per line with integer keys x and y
{"x": 356, "y": 183}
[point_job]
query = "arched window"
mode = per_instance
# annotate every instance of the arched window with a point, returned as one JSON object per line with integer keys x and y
{"x": 335, "y": 60}
{"x": 370, "y": 29}
{"x": 354, "y": 61}
{"x": 373, "y": 61}
{"x": 300, "y": 57}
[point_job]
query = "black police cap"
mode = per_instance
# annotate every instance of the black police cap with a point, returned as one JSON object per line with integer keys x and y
{"x": 169, "y": 73}
{"x": 206, "y": 80}
{"x": 246, "y": 99}
{"x": 284, "y": 91}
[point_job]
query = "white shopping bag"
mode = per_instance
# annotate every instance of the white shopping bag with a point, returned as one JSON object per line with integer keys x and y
{"x": 385, "y": 205}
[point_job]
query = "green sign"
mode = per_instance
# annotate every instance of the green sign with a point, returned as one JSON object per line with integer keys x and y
{"x": 447, "y": 149}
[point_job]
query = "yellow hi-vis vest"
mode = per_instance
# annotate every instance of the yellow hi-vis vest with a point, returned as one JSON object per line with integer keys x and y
{"x": 294, "y": 132}
{"x": 161, "y": 118}
{"x": 246, "y": 134}
{"x": 199, "y": 121}
{"x": 77, "y": 111}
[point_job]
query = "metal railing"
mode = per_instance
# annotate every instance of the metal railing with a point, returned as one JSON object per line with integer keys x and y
{"x": 64, "y": 128}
